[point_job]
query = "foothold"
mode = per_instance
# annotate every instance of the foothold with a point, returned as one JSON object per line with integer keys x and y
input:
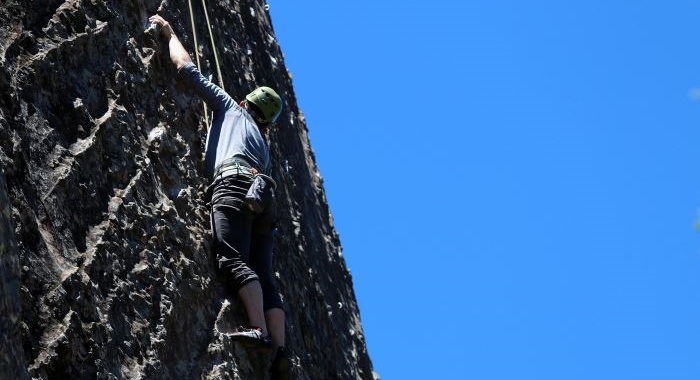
{"x": 267, "y": 7}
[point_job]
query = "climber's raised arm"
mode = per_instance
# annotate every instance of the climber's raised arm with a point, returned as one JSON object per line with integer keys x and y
{"x": 178, "y": 54}
{"x": 213, "y": 95}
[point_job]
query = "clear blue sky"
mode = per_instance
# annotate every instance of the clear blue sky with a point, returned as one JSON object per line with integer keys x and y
{"x": 515, "y": 184}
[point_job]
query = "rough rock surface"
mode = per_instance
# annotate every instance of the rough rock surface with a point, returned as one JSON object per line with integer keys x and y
{"x": 105, "y": 267}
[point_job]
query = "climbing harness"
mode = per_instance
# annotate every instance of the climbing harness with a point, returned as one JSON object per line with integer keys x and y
{"x": 260, "y": 193}
{"x": 238, "y": 165}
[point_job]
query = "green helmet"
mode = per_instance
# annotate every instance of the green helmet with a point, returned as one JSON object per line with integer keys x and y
{"x": 267, "y": 101}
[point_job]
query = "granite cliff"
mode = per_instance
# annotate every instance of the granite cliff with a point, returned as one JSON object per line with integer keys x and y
{"x": 105, "y": 267}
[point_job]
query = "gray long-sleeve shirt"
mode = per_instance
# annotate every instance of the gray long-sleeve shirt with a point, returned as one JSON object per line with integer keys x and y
{"x": 233, "y": 132}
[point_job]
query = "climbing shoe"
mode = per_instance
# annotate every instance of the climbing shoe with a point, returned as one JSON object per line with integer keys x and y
{"x": 251, "y": 336}
{"x": 280, "y": 365}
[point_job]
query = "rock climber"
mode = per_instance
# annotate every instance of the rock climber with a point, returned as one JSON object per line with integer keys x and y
{"x": 237, "y": 161}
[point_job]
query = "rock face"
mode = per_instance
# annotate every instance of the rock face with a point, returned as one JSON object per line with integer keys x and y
{"x": 105, "y": 266}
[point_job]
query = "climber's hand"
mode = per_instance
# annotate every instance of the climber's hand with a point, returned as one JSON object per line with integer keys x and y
{"x": 178, "y": 54}
{"x": 165, "y": 27}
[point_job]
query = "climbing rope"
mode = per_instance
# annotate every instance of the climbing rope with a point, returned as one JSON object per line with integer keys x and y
{"x": 196, "y": 55}
{"x": 213, "y": 48}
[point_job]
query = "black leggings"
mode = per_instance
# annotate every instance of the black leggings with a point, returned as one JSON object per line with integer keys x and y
{"x": 243, "y": 241}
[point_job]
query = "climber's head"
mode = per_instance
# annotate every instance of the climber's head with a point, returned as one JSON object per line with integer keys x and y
{"x": 265, "y": 104}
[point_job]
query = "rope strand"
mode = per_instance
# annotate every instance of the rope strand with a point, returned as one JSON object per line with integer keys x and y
{"x": 196, "y": 55}
{"x": 213, "y": 46}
